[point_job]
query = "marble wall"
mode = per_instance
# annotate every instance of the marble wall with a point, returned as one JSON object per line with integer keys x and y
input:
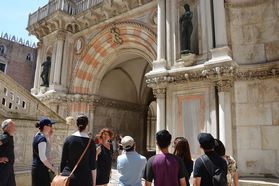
{"x": 257, "y": 126}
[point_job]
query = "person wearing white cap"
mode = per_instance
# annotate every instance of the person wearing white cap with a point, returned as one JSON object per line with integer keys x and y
{"x": 7, "y": 156}
{"x": 130, "y": 164}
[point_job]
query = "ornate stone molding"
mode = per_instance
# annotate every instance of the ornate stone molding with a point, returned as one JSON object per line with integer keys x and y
{"x": 61, "y": 35}
{"x": 159, "y": 92}
{"x": 224, "y": 85}
{"x": 243, "y": 3}
{"x": 224, "y": 72}
{"x": 115, "y": 33}
{"x": 93, "y": 100}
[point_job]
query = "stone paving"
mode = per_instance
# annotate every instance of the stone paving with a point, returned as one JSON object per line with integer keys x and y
{"x": 242, "y": 182}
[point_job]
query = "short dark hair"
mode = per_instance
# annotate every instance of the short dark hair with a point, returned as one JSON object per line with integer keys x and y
{"x": 219, "y": 148}
{"x": 82, "y": 122}
{"x": 163, "y": 138}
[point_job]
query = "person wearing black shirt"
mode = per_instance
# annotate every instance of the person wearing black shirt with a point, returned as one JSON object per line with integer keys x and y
{"x": 104, "y": 157}
{"x": 201, "y": 176}
{"x": 74, "y": 145}
{"x": 7, "y": 156}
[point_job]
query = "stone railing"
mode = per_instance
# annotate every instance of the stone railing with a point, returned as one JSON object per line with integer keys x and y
{"x": 24, "y": 109}
{"x": 17, "y": 102}
{"x": 61, "y": 5}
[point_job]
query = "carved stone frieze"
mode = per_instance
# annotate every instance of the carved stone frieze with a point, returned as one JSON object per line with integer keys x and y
{"x": 93, "y": 100}
{"x": 224, "y": 85}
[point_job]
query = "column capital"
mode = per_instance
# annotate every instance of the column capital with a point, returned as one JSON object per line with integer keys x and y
{"x": 224, "y": 85}
{"x": 39, "y": 44}
{"x": 61, "y": 35}
{"x": 159, "y": 92}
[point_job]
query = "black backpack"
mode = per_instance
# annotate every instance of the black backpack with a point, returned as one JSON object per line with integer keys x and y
{"x": 219, "y": 177}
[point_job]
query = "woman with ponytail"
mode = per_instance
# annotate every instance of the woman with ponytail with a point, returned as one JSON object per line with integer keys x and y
{"x": 41, "y": 165}
{"x": 74, "y": 146}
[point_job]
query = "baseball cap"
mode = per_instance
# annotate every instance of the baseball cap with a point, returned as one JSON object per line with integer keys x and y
{"x": 127, "y": 142}
{"x": 45, "y": 121}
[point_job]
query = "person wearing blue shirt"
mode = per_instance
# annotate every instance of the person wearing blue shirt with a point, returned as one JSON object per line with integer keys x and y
{"x": 130, "y": 164}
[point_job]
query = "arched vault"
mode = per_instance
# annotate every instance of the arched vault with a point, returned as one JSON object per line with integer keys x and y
{"x": 101, "y": 53}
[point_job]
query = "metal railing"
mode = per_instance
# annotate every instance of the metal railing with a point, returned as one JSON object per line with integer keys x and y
{"x": 61, "y": 5}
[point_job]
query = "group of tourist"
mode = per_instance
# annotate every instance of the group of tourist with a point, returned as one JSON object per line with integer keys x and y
{"x": 214, "y": 167}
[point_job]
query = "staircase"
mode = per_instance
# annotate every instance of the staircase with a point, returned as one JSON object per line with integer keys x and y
{"x": 18, "y": 104}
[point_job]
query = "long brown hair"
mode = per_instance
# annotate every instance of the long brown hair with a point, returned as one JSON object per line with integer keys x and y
{"x": 182, "y": 150}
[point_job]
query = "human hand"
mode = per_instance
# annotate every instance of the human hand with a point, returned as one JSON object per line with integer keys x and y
{"x": 4, "y": 160}
{"x": 98, "y": 150}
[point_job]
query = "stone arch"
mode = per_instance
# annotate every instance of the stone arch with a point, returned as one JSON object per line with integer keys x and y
{"x": 96, "y": 59}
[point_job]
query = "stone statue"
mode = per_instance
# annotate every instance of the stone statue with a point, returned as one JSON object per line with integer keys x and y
{"x": 45, "y": 72}
{"x": 186, "y": 28}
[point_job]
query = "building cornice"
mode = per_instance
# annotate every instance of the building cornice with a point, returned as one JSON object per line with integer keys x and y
{"x": 95, "y": 100}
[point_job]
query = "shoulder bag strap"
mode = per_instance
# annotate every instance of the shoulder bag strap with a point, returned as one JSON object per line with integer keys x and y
{"x": 210, "y": 167}
{"x": 89, "y": 142}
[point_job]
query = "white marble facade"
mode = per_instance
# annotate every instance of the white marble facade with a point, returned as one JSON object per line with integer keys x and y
{"x": 112, "y": 64}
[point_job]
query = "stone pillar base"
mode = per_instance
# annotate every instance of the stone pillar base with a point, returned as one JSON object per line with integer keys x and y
{"x": 159, "y": 65}
{"x": 34, "y": 91}
{"x": 220, "y": 55}
{"x": 56, "y": 88}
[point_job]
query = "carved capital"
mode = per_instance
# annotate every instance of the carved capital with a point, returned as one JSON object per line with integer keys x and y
{"x": 61, "y": 35}
{"x": 159, "y": 92}
{"x": 224, "y": 85}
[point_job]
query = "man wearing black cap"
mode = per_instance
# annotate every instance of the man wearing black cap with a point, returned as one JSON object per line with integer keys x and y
{"x": 7, "y": 156}
{"x": 203, "y": 176}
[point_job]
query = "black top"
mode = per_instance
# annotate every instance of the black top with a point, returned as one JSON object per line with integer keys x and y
{"x": 7, "y": 148}
{"x": 72, "y": 149}
{"x": 200, "y": 169}
{"x": 189, "y": 168}
{"x": 38, "y": 138}
{"x": 104, "y": 165}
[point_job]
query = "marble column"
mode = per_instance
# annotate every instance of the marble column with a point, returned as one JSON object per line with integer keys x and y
{"x": 160, "y": 94}
{"x": 220, "y": 23}
{"x": 160, "y": 63}
{"x": 172, "y": 32}
{"x": 56, "y": 84}
{"x": 225, "y": 123}
{"x": 36, "y": 87}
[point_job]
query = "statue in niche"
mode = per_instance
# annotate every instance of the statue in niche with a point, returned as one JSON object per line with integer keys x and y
{"x": 186, "y": 28}
{"x": 45, "y": 72}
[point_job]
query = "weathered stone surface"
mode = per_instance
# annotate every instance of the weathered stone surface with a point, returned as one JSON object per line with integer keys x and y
{"x": 271, "y": 50}
{"x": 275, "y": 113}
{"x": 248, "y": 137}
{"x": 248, "y": 54}
{"x": 257, "y": 162}
{"x": 271, "y": 90}
{"x": 253, "y": 114}
{"x": 241, "y": 95}
{"x": 270, "y": 137}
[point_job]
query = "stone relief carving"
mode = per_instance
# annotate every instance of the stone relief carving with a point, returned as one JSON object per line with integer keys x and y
{"x": 115, "y": 32}
{"x": 79, "y": 45}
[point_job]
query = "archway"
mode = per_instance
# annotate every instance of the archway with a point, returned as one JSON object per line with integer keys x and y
{"x": 115, "y": 72}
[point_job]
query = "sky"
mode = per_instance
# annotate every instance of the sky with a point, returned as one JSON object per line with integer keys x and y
{"x": 14, "y": 17}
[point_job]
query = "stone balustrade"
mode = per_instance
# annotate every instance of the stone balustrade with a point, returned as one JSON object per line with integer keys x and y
{"x": 61, "y": 5}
